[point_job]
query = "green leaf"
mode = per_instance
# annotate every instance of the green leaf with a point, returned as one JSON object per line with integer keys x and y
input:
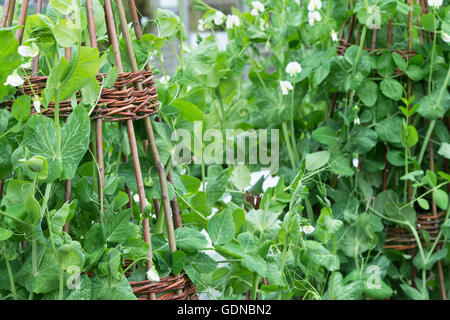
{"x": 341, "y": 165}
{"x": 66, "y": 33}
{"x": 320, "y": 255}
{"x": 441, "y": 198}
{"x": 119, "y": 228}
{"x": 409, "y": 136}
{"x": 423, "y": 204}
{"x": 188, "y": 111}
{"x": 201, "y": 60}
{"x": 361, "y": 141}
{"x": 389, "y": 130}
{"x": 444, "y": 150}
{"x": 435, "y": 257}
{"x": 326, "y": 135}
{"x": 427, "y": 21}
{"x": 415, "y": 73}
{"x": 104, "y": 289}
{"x": 368, "y": 93}
{"x": 71, "y": 254}
{"x": 9, "y": 57}
{"x": 221, "y": 227}
{"x": 190, "y": 240}
{"x": 33, "y": 209}
{"x": 215, "y": 189}
{"x": 203, "y": 263}
{"x": 62, "y": 6}
{"x": 316, "y": 160}
{"x": 385, "y": 65}
{"x": 178, "y": 260}
{"x": 399, "y": 61}
{"x": 382, "y": 291}
{"x": 411, "y": 292}
{"x": 40, "y": 144}
{"x": 341, "y": 291}
{"x": 59, "y": 218}
{"x": 74, "y": 141}
{"x": 5, "y": 234}
{"x": 21, "y": 108}
{"x": 45, "y": 280}
{"x": 429, "y": 108}
{"x": 82, "y": 72}
{"x": 255, "y": 263}
{"x": 192, "y": 184}
{"x": 241, "y": 177}
{"x": 90, "y": 92}
{"x": 392, "y": 89}
{"x": 264, "y": 221}
{"x": 111, "y": 77}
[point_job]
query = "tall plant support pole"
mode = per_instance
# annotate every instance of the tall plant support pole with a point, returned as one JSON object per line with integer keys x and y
{"x": 434, "y": 210}
{"x": 35, "y": 64}
{"x": 22, "y": 17}
{"x": 12, "y": 8}
{"x": 131, "y": 136}
{"x": 151, "y": 137}
{"x": 5, "y": 13}
{"x": 175, "y": 208}
{"x": 98, "y": 122}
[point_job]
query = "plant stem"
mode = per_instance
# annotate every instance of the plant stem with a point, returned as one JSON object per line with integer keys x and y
{"x": 255, "y": 285}
{"x": 8, "y": 267}
{"x": 288, "y": 144}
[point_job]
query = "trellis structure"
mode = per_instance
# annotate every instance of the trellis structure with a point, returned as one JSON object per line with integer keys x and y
{"x": 400, "y": 238}
{"x": 132, "y": 97}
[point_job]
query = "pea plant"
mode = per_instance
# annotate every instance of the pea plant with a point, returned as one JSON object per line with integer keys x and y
{"x": 351, "y": 95}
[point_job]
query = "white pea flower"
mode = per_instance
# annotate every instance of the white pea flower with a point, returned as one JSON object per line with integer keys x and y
{"x": 219, "y": 18}
{"x": 164, "y": 79}
{"x": 26, "y": 65}
{"x": 152, "y": 274}
{"x": 26, "y": 51}
{"x": 37, "y": 104}
{"x": 435, "y": 3}
{"x": 308, "y": 229}
{"x": 258, "y": 8}
{"x": 262, "y": 24}
{"x": 286, "y": 86}
{"x": 334, "y": 36}
{"x": 357, "y": 121}
{"x": 314, "y": 5}
{"x": 201, "y": 25}
{"x": 14, "y": 80}
{"x": 233, "y": 21}
{"x": 293, "y": 68}
{"x": 355, "y": 162}
{"x": 227, "y": 199}
{"x": 445, "y": 37}
{"x": 314, "y": 16}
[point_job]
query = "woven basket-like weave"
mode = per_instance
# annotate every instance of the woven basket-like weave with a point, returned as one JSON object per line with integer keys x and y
{"x": 166, "y": 288}
{"x": 121, "y": 102}
{"x": 405, "y": 54}
{"x": 402, "y": 239}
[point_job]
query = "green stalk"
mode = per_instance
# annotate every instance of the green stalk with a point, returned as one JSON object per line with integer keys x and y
{"x": 61, "y": 271}
{"x": 8, "y": 267}
{"x": 181, "y": 35}
{"x": 288, "y": 144}
{"x": 432, "y": 53}
{"x": 255, "y": 285}
{"x": 432, "y": 123}
{"x": 294, "y": 144}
